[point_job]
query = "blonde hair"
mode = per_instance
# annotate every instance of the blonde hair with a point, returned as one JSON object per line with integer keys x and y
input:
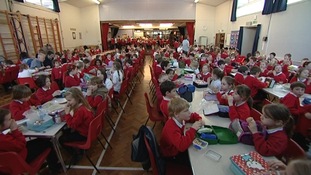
{"x": 299, "y": 167}
{"x": 177, "y": 105}
{"x": 78, "y": 96}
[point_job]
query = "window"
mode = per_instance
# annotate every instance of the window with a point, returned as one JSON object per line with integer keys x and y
{"x": 246, "y": 7}
{"x": 44, "y": 3}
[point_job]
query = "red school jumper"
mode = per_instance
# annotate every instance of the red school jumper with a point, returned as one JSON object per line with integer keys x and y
{"x": 45, "y": 95}
{"x": 241, "y": 111}
{"x": 17, "y": 109}
{"x": 254, "y": 84}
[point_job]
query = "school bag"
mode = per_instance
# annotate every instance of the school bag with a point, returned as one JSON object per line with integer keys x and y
{"x": 240, "y": 128}
{"x": 186, "y": 91}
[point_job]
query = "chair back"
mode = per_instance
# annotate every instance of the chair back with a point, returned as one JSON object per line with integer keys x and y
{"x": 102, "y": 107}
{"x": 95, "y": 129}
{"x": 148, "y": 105}
{"x": 155, "y": 170}
{"x": 293, "y": 151}
{"x": 266, "y": 102}
{"x": 255, "y": 114}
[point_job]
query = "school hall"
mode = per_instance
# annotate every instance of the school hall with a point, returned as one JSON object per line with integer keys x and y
{"x": 119, "y": 54}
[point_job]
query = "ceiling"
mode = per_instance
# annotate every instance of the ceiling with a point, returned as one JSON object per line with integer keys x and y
{"x": 155, "y": 24}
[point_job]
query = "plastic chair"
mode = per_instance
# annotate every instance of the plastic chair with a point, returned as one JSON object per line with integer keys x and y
{"x": 95, "y": 128}
{"x": 13, "y": 164}
{"x": 27, "y": 81}
{"x": 293, "y": 151}
{"x": 153, "y": 113}
{"x": 255, "y": 114}
{"x": 266, "y": 102}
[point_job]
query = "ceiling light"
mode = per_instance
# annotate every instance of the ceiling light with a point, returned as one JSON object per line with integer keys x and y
{"x": 96, "y": 1}
{"x": 145, "y": 25}
{"x": 128, "y": 26}
{"x": 196, "y": 1}
{"x": 165, "y": 25}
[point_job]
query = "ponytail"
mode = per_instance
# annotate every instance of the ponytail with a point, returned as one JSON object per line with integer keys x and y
{"x": 289, "y": 127}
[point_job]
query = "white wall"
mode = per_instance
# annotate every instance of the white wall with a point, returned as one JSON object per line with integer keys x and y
{"x": 248, "y": 40}
{"x": 205, "y": 22}
{"x": 70, "y": 22}
{"x": 90, "y": 25}
{"x": 288, "y": 31}
{"x": 147, "y": 10}
{"x": 128, "y": 32}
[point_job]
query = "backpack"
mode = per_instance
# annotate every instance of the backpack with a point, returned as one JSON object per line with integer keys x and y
{"x": 186, "y": 91}
{"x": 140, "y": 153}
{"x": 240, "y": 128}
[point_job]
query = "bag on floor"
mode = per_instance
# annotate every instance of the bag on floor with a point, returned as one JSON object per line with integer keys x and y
{"x": 139, "y": 151}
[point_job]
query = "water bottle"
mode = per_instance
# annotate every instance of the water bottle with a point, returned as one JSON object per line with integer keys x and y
{"x": 57, "y": 118}
{"x": 41, "y": 113}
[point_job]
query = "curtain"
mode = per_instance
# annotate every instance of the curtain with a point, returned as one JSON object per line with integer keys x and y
{"x": 19, "y": 0}
{"x": 56, "y": 6}
{"x": 190, "y": 30}
{"x": 273, "y": 6}
{"x": 255, "y": 45}
{"x": 233, "y": 11}
{"x": 182, "y": 31}
{"x": 114, "y": 32}
{"x": 239, "y": 45}
{"x": 104, "y": 34}
{"x": 279, "y": 6}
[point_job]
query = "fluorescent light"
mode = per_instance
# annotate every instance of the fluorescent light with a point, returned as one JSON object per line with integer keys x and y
{"x": 145, "y": 25}
{"x": 165, "y": 25}
{"x": 196, "y": 1}
{"x": 96, "y": 1}
{"x": 128, "y": 26}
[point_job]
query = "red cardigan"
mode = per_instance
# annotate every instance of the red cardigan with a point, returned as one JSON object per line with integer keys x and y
{"x": 45, "y": 96}
{"x": 57, "y": 73}
{"x": 15, "y": 142}
{"x": 71, "y": 81}
{"x": 241, "y": 112}
{"x": 254, "y": 84}
{"x": 221, "y": 100}
{"x": 17, "y": 109}
{"x": 239, "y": 78}
{"x": 273, "y": 144}
{"x": 94, "y": 100}
{"x": 80, "y": 120}
{"x": 173, "y": 140}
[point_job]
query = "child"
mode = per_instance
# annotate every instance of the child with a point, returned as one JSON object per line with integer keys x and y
{"x": 168, "y": 90}
{"x": 254, "y": 83}
{"x": 71, "y": 79}
{"x": 240, "y": 75}
{"x": 14, "y": 141}
{"x": 194, "y": 65}
{"x": 57, "y": 73}
{"x": 96, "y": 92}
{"x": 88, "y": 68}
{"x": 227, "y": 86}
{"x": 46, "y": 92}
{"x": 279, "y": 124}
{"x": 215, "y": 80}
{"x": 264, "y": 69}
{"x": 19, "y": 104}
{"x": 25, "y": 72}
{"x": 101, "y": 73}
{"x": 301, "y": 114}
{"x": 117, "y": 77}
{"x": 295, "y": 167}
{"x": 174, "y": 142}
{"x": 171, "y": 74}
{"x": 278, "y": 75}
{"x": 303, "y": 76}
{"x": 240, "y": 103}
{"x": 205, "y": 73}
{"x": 38, "y": 62}
{"x": 78, "y": 115}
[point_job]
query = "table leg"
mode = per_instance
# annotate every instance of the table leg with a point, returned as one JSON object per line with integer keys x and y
{"x": 58, "y": 152}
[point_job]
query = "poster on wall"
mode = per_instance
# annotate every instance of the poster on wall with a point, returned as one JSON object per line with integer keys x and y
{"x": 234, "y": 38}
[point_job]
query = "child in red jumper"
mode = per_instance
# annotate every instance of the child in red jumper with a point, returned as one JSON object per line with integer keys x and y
{"x": 96, "y": 92}
{"x": 254, "y": 83}
{"x": 303, "y": 76}
{"x": 279, "y": 124}
{"x": 227, "y": 86}
{"x": 57, "y": 73}
{"x": 78, "y": 115}
{"x": 168, "y": 90}
{"x": 14, "y": 141}
{"x": 301, "y": 114}
{"x": 278, "y": 75}
{"x": 240, "y": 103}
{"x": 21, "y": 95}
{"x": 46, "y": 92}
{"x": 240, "y": 75}
{"x": 205, "y": 73}
{"x": 174, "y": 141}
{"x": 71, "y": 78}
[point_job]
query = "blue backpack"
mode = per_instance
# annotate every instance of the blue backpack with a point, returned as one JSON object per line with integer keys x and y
{"x": 186, "y": 91}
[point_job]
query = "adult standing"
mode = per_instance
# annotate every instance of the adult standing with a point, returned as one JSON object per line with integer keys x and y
{"x": 185, "y": 45}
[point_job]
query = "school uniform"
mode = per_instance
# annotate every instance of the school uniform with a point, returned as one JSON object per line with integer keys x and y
{"x": 305, "y": 81}
{"x": 272, "y": 144}
{"x": 117, "y": 78}
{"x": 280, "y": 77}
{"x": 26, "y": 73}
{"x": 254, "y": 84}
{"x": 220, "y": 99}
{"x": 71, "y": 80}
{"x": 97, "y": 97}
{"x": 264, "y": 73}
{"x": 239, "y": 78}
{"x": 108, "y": 83}
{"x": 216, "y": 84}
{"x": 164, "y": 107}
{"x": 45, "y": 95}
{"x": 17, "y": 109}
{"x": 173, "y": 140}
{"x": 291, "y": 101}
{"x": 241, "y": 111}
{"x": 157, "y": 71}
{"x": 205, "y": 76}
